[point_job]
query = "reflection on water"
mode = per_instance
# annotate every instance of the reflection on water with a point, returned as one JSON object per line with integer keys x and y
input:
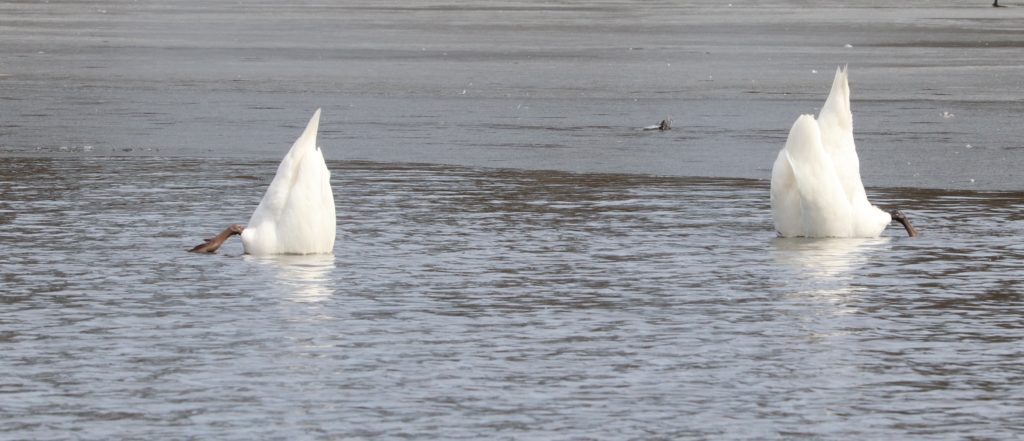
{"x": 304, "y": 278}
{"x": 825, "y": 268}
{"x": 470, "y": 303}
{"x": 825, "y": 257}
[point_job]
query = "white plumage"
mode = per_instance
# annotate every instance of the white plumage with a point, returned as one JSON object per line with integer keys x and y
{"x": 296, "y": 215}
{"x": 816, "y": 190}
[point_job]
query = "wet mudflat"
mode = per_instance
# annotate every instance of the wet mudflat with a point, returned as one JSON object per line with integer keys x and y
{"x": 518, "y": 84}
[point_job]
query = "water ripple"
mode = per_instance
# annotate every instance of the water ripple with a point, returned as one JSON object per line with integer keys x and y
{"x": 477, "y": 303}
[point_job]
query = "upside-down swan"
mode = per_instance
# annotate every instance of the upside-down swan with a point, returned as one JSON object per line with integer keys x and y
{"x": 816, "y": 189}
{"x": 296, "y": 215}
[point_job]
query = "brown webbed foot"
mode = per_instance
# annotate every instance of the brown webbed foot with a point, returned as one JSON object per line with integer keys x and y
{"x": 898, "y": 216}
{"x": 211, "y": 245}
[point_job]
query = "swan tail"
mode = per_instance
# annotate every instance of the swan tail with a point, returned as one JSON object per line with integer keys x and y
{"x": 306, "y": 142}
{"x": 274, "y": 200}
{"x": 836, "y": 123}
{"x": 836, "y": 114}
{"x": 308, "y": 137}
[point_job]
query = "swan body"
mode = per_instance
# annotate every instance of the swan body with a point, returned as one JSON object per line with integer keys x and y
{"x": 816, "y": 189}
{"x": 296, "y": 215}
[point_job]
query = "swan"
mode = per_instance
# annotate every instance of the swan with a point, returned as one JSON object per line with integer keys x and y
{"x": 296, "y": 215}
{"x": 816, "y": 190}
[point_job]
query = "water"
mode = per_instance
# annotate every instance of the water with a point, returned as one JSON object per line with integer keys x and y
{"x": 520, "y": 84}
{"x": 467, "y": 303}
{"x": 514, "y": 259}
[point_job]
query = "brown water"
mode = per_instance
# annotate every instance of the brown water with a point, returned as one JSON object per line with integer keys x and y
{"x": 514, "y": 259}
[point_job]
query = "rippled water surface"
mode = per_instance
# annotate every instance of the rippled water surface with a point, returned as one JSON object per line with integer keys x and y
{"x": 472, "y": 294}
{"x": 473, "y": 303}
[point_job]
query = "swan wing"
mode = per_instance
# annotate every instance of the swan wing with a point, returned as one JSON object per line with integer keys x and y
{"x": 785, "y": 198}
{"x": 824, "y": 208}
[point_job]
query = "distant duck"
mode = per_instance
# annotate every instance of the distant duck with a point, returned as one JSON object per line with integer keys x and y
{"x": 816, "y": 190}
{"x": 296, "y": 215}
{"x": 666, "y": 124}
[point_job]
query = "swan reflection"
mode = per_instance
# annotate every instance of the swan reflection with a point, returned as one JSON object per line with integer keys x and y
{"x": 825, "y": 258}
{"x": 823, "y": 267}
{"x": 306, "y": 278}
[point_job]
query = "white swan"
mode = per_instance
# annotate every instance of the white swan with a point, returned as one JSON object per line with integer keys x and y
{"x": 296, "y": 215}
{"x": 816, "y": 189}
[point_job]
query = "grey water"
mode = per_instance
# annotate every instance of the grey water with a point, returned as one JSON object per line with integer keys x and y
{"x": 515, "y": 260}
{"x": 477, "y": 303}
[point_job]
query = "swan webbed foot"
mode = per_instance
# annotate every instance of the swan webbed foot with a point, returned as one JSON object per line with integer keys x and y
{"x": 211, "y": 245}
{"x": 898, "y": 216}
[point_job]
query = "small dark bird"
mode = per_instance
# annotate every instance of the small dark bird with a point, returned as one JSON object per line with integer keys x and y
{"x": 995, "y": 4}
{"x": 666, "y": 124}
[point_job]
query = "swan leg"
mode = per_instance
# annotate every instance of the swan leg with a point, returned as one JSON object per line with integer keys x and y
{"x": 211, "y": 245}
{"x": 898, "y": 216}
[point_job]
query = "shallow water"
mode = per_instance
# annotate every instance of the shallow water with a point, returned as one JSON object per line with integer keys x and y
{"x": 515, "y": 260}
{"x": 469, "y": 303}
